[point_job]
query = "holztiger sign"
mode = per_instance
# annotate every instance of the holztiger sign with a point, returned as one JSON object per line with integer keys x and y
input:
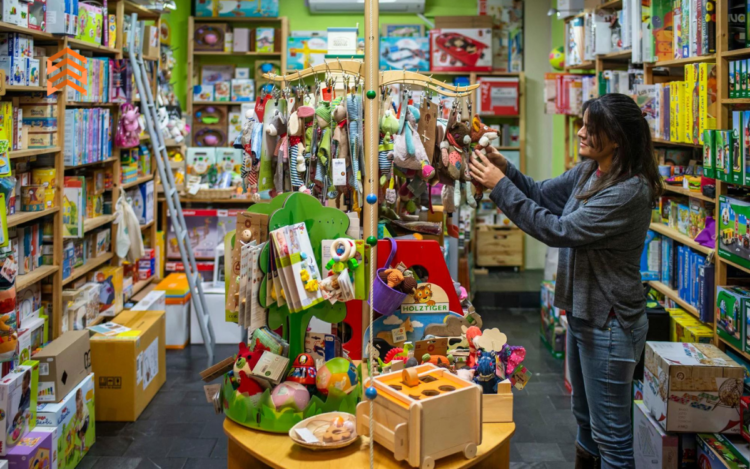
{"x": 426, "y": 298}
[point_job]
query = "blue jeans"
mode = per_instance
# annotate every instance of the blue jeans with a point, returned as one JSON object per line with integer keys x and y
{"x": 601, "y": 364}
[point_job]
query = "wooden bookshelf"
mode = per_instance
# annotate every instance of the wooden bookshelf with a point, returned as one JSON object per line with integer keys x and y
{"x": 662, "y": 142}
{"x": 20, "y": 218}
{"x": 674, "y": 296}
{"x": 137, "y": 182}
{"x": 686, "y": 192}
{"x": 683, "y": 62}
{"x": 679, "y": 237}
{"x": 90, "y": 224}
{"x": 32, "y": 152}
{"x": 42, "y": 272}
{"x": 239, "y": 54}
{"x": 119, "y": 8}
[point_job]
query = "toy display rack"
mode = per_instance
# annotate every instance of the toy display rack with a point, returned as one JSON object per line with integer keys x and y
{"x": 195, "y": 58}
{"x": 373, "y": 79}
{"x": 55, "y": 43}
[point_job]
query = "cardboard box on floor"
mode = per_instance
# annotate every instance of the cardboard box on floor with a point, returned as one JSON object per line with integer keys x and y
{"x": 129, "y": 367}
{"x": 64, "y": 363}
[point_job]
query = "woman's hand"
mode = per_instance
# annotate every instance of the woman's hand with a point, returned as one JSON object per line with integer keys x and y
{"x": 483, "y": 171}
{"x": 497, "y": 159}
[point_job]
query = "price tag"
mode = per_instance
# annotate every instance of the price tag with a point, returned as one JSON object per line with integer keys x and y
{"x": 390, "y": 196}
{"x": 211, "y": 390}
{"x": 399, "y": 335}
{"x": 339, "y": 172}
{"x": 306, "y": 435}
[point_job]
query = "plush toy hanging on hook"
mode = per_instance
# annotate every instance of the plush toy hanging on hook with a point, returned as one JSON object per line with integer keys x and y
{"x": 408, "y": 149}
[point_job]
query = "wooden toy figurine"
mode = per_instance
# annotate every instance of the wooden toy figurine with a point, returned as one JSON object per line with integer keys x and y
{"x": 412, "y": 411}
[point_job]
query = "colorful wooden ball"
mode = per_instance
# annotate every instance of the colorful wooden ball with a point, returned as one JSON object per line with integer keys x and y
{"x": 290, "y": 395}
{"x": 372, "y": 240}
{"x": 337, "y": 373}
{"x": 303, "y": 255}
{"x": 371, "y": 393}
{"x": 371, "y": 198}
{"x": 371, "y": 94}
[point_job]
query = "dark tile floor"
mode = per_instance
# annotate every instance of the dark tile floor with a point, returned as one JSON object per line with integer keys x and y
{"x": 179, "y": 430}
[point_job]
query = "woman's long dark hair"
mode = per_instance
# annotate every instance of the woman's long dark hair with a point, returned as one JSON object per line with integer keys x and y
{"x": 617, "y": 118}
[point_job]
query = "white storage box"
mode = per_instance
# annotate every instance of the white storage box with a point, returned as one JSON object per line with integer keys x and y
{"x": 224, "y": 332}
{"x": 177, "y": 291}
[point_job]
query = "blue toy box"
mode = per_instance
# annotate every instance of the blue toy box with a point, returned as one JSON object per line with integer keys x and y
{"x": 405, "y": 53}
{"x": 237, "y": 8}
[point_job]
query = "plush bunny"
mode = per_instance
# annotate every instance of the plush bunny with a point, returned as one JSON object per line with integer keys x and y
{"x": 408, "y": 150}
{"x": 388, "y": 128}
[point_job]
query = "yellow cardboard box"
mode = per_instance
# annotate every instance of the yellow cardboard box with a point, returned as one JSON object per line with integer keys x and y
{"x": 129, "y": 367}
{"x": 686, "y": 328}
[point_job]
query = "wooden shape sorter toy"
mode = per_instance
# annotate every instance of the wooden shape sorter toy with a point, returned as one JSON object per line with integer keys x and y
{"x": 424, "y": 413}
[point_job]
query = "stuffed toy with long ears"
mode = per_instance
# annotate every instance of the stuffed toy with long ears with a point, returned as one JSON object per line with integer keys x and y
{"x": 408, "y": 151}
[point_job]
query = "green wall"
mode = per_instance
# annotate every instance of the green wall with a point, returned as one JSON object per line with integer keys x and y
{"x": 558, "y": 122}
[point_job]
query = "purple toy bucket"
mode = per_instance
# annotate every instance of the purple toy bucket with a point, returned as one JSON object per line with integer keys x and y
{"x": 386, "y": 300}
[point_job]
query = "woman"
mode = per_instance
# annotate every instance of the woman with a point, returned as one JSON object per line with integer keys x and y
{"x": 598, "y": 214}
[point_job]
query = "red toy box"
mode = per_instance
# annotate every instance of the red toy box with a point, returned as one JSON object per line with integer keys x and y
{"x": 461, "y": 50}
{"x": 498, "y": 96}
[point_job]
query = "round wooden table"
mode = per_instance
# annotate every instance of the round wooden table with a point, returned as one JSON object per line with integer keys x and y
{"x": 250, "y": 448}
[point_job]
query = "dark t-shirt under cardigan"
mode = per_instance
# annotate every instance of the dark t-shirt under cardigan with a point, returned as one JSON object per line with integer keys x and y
{"x": 600, "y": 240}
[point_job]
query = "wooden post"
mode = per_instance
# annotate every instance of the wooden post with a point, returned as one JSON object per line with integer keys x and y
{"x": 371, "y": 112}
{"x": 722, "y": 122}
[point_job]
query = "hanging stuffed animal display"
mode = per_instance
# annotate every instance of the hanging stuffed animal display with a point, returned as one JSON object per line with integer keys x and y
{"x": 408, "y": 150}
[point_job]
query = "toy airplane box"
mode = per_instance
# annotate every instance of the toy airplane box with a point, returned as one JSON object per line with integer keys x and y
{"x": 74, "y": 416}
{"x": 734, "y": 230}
{"x": 692, "y": 387}
{"x": 405, "y": 53}
{"x": 237, "y": 8}
{"x": 34, "y": 451}
{"x": 18, "y": 391}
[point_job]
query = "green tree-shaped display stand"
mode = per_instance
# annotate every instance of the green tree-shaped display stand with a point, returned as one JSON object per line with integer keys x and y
{"x": 322, "y": 223}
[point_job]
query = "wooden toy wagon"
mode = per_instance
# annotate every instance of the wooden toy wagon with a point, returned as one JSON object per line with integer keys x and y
{"x": 423, "y": 414}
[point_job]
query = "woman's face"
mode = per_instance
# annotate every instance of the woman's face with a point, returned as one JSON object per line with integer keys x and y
{"x": 588, "y": 148}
